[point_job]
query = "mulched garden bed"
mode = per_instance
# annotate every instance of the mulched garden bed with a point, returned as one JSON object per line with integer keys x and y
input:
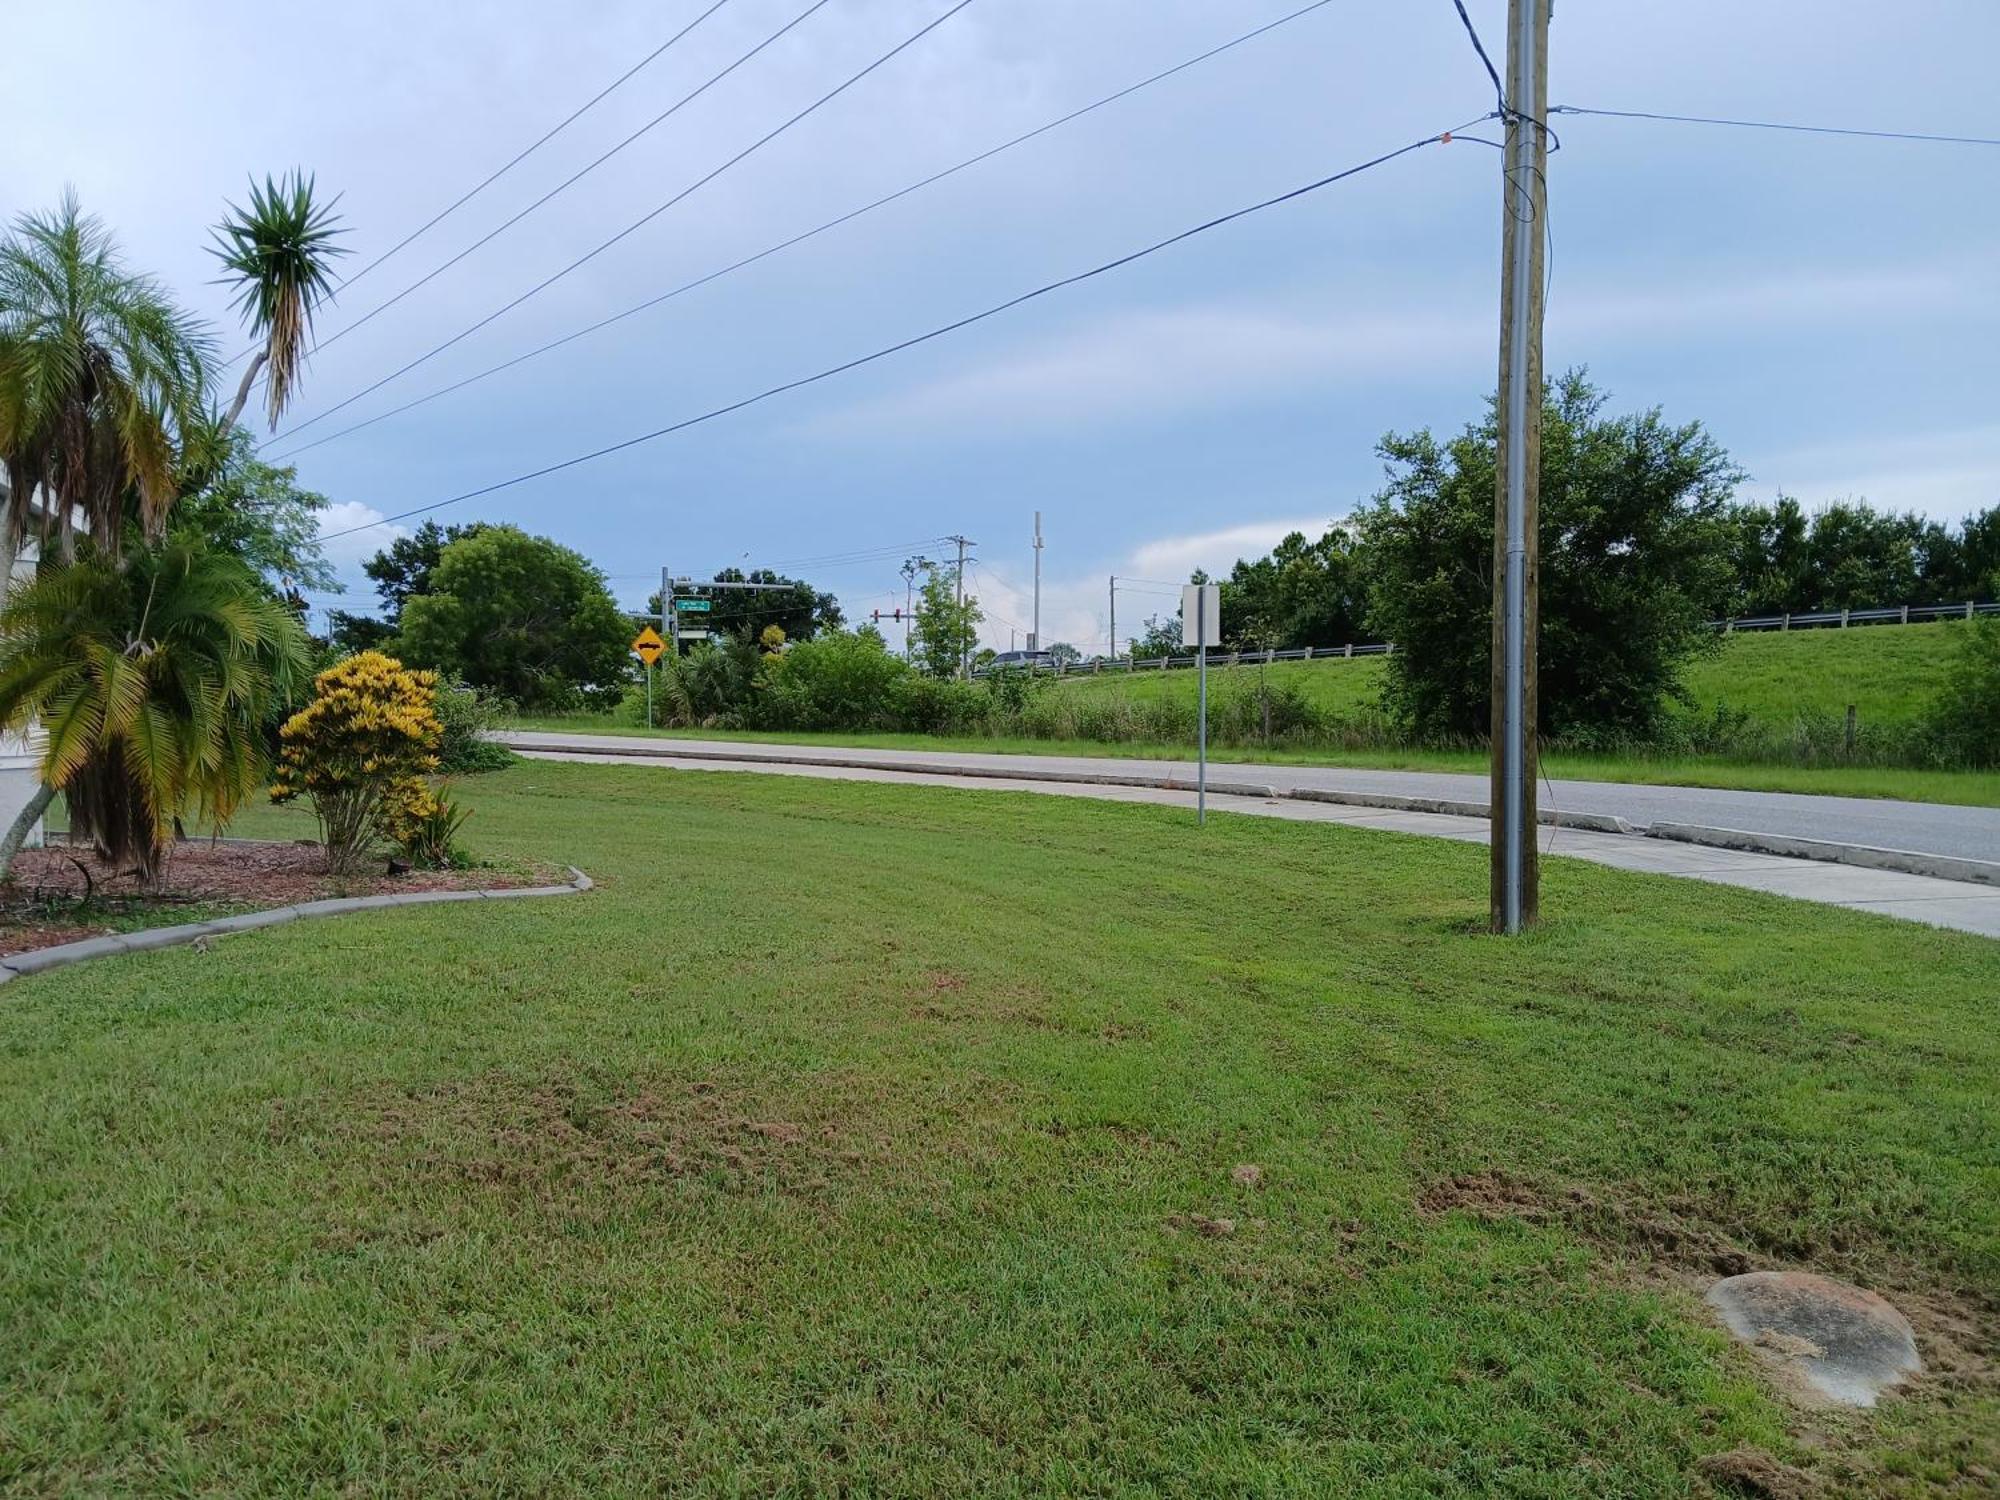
{"x": 62, "y": 895}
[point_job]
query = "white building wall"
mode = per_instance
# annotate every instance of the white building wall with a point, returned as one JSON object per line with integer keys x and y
{"x": 20, "y": 754}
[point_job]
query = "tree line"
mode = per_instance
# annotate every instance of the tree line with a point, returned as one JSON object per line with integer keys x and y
{"x": 1734, "y": 557}
{"x": 1643, "y": 543}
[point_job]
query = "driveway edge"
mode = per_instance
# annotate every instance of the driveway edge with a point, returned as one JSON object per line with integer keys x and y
{"x": 62, "y": 955}
{"x": 1866, "y": 856}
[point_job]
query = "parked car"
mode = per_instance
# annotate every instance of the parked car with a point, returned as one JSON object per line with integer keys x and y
{"x": 1033, "y": 661}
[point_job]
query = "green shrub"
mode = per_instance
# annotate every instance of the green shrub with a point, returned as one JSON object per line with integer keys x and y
{"x": 423, "y": 822}
{"x": 1964, "y": 716}
{"x": 838, "y": 680}
{"x": 370, "y": 729}
{"x": 938, "y": 705}
{"x": 467, "y": 714}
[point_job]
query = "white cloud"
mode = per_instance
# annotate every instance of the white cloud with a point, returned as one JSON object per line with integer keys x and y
{"x": 346, "y": 553}
{"x": 1173, "y": 558}
{"x": 1077, "y": 609}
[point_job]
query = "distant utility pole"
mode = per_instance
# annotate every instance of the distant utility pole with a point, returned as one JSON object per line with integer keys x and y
{"x": 670, "y": 619}
{"x": 964, "y": 635}
{"x": 1516, "y": 878}
{"x": 1114, "y": 617}
{"x": 1035, "y": 620}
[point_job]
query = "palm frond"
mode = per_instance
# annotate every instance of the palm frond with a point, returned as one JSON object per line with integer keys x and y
{"x": 279, "y": 253}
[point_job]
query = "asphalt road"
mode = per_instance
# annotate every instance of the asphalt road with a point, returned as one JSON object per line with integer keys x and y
{"x": 1924, "y": 827}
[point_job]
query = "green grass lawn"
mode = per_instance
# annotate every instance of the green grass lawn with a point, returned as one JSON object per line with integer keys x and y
{"x": 878, "y": 1139}
{"x": 1887, "y": 672}
{"x": 1964, "y": 788}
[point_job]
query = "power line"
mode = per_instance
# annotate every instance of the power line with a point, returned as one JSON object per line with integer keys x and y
{"x": 540, "y": 141}
{"x": 797, "y": 239}
{"x": 909, "y": 343}
{"x": 1878, "y": 135}
{"x": 1499, "y": 89}
{"x": 582, "y": 172}
{"x": 643, "y": 219}
{"x": 512, "y": 162}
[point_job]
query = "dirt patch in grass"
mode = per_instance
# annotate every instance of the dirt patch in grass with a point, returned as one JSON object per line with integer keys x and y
{"x": 1666, "y": 1236}
{"x": 1753, "y": 1472}
{"x": 1958, "y": 1329}
{"x": 570, "y": 1145}
{"x": 61, "y": 894}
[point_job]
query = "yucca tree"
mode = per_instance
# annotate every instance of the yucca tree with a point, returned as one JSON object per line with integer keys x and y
{"x": 101, "y": 375}
{"x": 153, "y": 681}
{"x": 279, "y": 255}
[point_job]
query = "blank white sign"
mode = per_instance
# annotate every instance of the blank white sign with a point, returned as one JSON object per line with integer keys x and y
{"x": 1201, "y": 606}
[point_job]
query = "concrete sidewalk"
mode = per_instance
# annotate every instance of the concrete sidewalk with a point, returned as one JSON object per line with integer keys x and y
{"x": 1924, "y": 828}
{"x": 1917, "y": 898}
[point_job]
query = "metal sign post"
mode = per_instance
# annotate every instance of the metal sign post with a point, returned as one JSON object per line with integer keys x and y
{"x": 1201, "y": 627}
{"x": 647, "y": 646}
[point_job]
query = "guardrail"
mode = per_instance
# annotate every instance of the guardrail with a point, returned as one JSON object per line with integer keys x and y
{"x": 1824, "y": 619}
{"x": 1894, "y": 614}
{"x": 1215, "y": 659}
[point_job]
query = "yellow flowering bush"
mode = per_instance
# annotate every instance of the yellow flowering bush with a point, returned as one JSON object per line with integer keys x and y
{"x": 372, "y": 724}
{"x": 423, "y": 822}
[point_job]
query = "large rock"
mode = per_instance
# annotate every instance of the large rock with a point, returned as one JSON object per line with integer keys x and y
{"x": 1829, "y": 1341}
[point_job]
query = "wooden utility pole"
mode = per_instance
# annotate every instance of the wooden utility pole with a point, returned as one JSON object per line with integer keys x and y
{"x": 1516, "y": 879}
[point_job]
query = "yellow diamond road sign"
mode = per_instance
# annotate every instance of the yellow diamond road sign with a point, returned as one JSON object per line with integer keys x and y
{"x": 648, "y": 645}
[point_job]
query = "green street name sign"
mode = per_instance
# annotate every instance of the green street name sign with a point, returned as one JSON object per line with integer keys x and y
{"x": 694, "y": 606}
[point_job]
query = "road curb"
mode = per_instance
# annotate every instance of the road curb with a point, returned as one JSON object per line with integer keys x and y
{"x": 1865, "y": 856}
{"x": 1448, "y": 807}
{"x": 1587, "y": 822}
{"x": 62, "y": 955}
{"x": 658, "y": 750}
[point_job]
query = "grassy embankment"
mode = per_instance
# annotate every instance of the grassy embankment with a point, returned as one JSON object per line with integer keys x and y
{"x": 1888, "y": 673}
{"x": 854, "y": 1138}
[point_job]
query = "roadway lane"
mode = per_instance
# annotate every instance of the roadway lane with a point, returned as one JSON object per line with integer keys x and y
{"x": 1925, "y": 827}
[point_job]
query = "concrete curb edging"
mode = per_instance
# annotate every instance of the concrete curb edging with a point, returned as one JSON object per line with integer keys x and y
{"x": 1866, "y": 856}
{"x": 752, "y": 756}
{"x": 38, "y": 960}
{"x": 1590, "y": 822}
{"x": 1553, "y": 817}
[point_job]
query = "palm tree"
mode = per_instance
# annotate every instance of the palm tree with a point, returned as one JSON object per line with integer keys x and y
{"x": 101, "y": 375}
{"x": 153, "y": 681}
{"x": 279, "y": 254}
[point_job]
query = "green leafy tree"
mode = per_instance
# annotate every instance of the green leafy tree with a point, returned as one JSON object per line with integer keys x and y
{"x": 837, "y": 680}
{"x": 278, "y": 253}
{"x": 403, "y": 569}
{"x": 520, "y": 616}
{"x": 1161, "y": 637}
{"x": 1063, "y": 654}
{"x": 153, "y": 682}
{"x": 259, "y": 512}
{"x": 945, "y": 631}
{"x": 348, "y": 632}
{"x": 801, "y": 611}
{"x": 100, "y": 377}
{"x": 1965, "y": 713}
{"x": 1848, "y": 555}
{"x": 1771, "y": 557}
{"x": 1303, "y": 593}
{"x": 1635, "y": 559}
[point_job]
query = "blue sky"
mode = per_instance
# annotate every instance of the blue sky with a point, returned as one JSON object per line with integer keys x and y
{"x": 1828, "y": 307}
